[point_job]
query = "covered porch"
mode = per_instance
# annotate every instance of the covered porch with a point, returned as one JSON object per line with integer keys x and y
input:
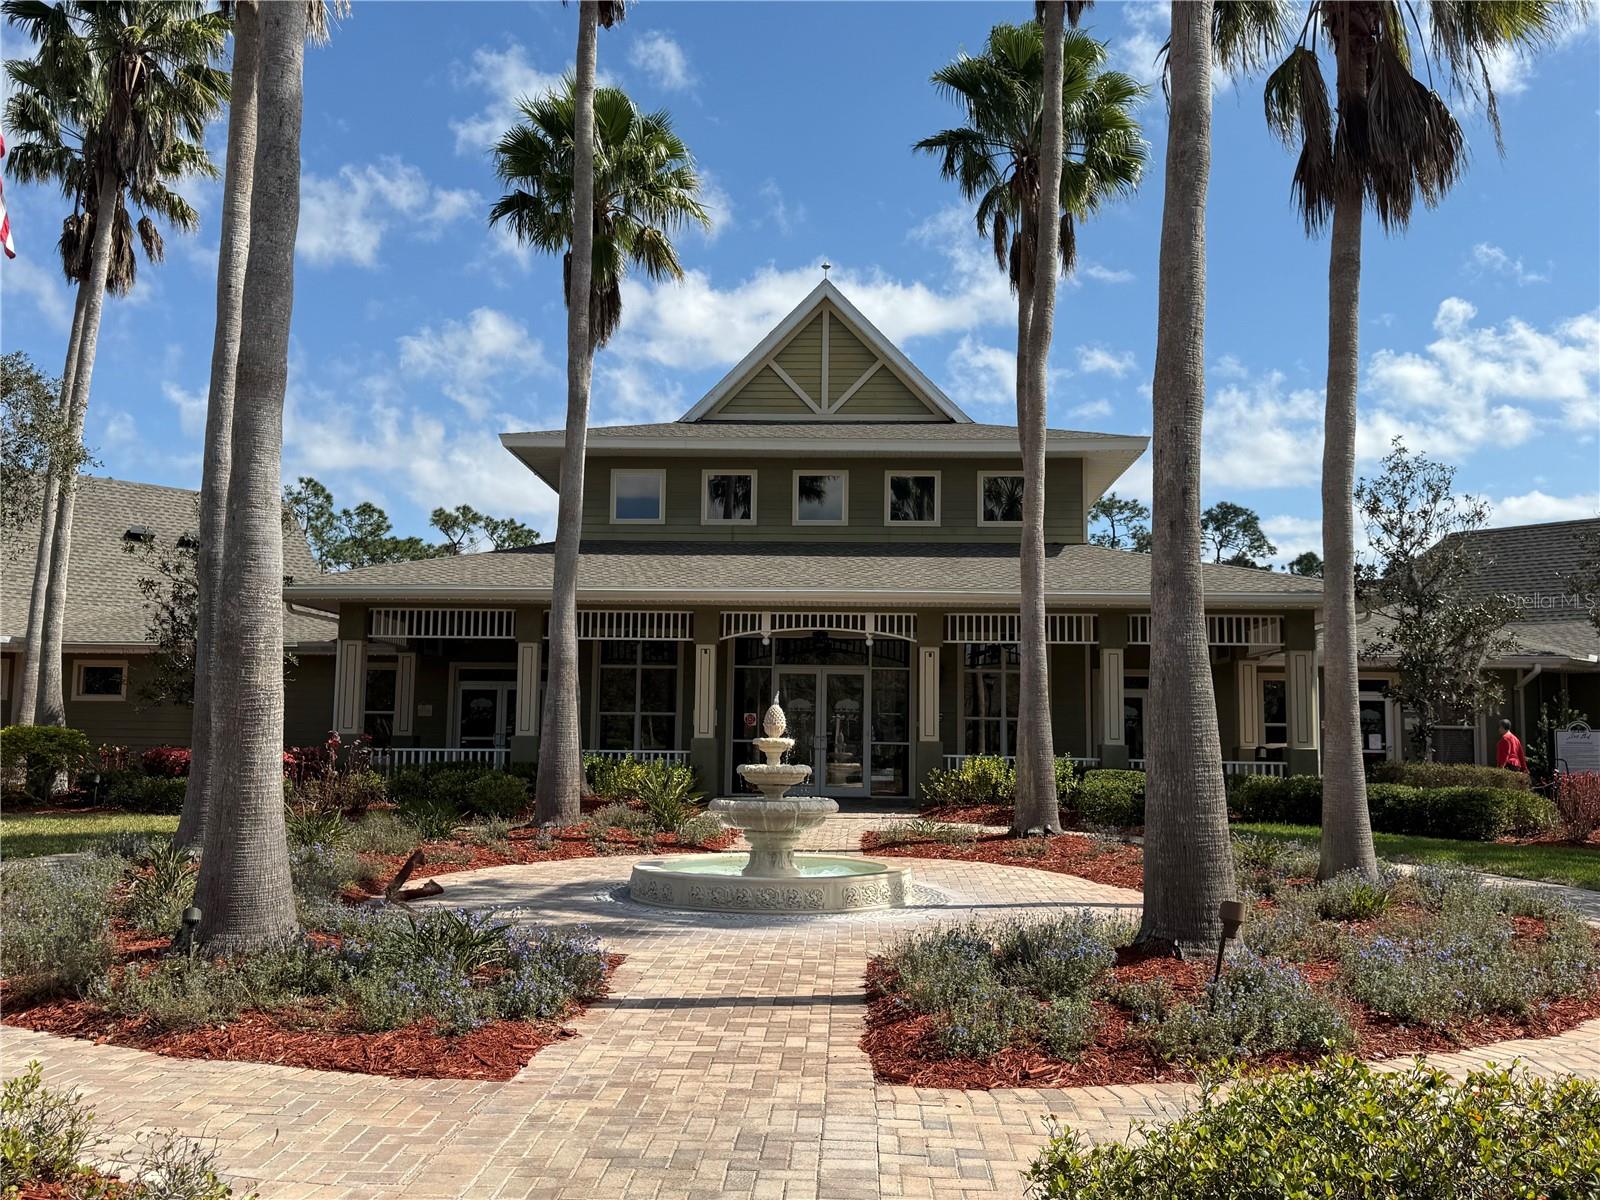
{"x": 877, "y": 699}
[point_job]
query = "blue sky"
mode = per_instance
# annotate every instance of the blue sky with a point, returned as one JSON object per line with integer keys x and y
{"x": 419, "y": 334}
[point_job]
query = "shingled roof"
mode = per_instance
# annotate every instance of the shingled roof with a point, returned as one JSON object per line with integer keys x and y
{"x": 819, "y": 572}
{"x": 104, "y": 606}
{"x": 1532, "y": 564}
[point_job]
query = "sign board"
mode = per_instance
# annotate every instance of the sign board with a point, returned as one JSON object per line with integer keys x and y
{"x": 1578, "y": 748}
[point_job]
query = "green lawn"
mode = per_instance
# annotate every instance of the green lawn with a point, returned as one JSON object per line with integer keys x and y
{"x": 26, "y": 835}
{"x": 1576, "y": 865}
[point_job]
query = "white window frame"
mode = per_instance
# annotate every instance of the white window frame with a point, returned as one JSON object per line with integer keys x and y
{"x": 77, "y": 680}
{"x": 888, "y": 498}
{"x": 1002, "y": 669}
{"x": 794, "y": 496}
{"x": 705, "y": 496}
{"x": 983, "y": 478}
{"x": 638, "y": 666}
{"x": 391, "y": 665}
{"x": 661, "y": 496}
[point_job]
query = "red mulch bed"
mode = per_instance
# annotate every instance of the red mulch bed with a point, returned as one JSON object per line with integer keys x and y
{"x": 1118, "y": 864}
{"x": 446, "y": 857}
{"x": 321, "y": 1039}
{"x": 902, "y": 1047}
{"x": 970, "y": 814}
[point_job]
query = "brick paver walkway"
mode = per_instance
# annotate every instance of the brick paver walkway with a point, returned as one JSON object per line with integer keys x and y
{"x": 725, "y": 1065}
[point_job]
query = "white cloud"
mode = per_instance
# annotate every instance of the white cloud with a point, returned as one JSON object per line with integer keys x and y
{"x": 1261, "y": 433}
{"x": 471, "y": 357}
{"x": 718, "y": 205}
{"x": 1492, "y": 260}
{"x": 982, "y": 376}
{"x": 507, "y": 75}
{"x": 1097, "y": 360}
{"x": 344, "y": 218}
{"x": 23, "y": 279}
{"x": 1103, "y": 274}
{"x": 784, "y": 217}
{"x": 1091, "y": 408}
{"x": 191, "y": 406}
{"x": 1535, "y": 506}
{"x": 627, "y": 393}
{"x": 662, "y": 59}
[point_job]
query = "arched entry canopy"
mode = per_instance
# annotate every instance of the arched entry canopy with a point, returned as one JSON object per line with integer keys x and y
{"x": 870, "y": 625}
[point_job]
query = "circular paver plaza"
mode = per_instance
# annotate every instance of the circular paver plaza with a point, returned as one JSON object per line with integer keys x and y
{"x": 724, "y": 1064}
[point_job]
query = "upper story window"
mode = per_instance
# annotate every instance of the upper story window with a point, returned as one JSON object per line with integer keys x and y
{"x": 821, "y": 497}
{"x": 638, "y": 497}
{"x": 728, "y": 497}
{"x": 1000, "y": 499}
{"x": 911, "y": 499}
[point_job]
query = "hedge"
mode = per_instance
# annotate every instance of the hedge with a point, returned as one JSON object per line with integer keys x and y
{"x": 1478, "y": 814}
{"x": 42, "y": 752}
{"x": 1438, "y": 775}
{"x": 1345, "y": 1129}
{"x": 1108, "y": 797}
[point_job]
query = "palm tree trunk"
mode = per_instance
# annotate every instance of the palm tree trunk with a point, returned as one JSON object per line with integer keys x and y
{"x": 52, "y": 708}
{"x": 1188, "y": 860}
{"x": 33, "y": 649}
{"x": 231, "y": 262}
{"x": 1346, "y": 823}
{"x": 560, "y": 780}
{"x": 244, "y": 889}
{"x": 1038, "y": 806}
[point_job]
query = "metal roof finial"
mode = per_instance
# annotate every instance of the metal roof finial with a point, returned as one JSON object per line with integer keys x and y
{"x": 826, "y": 267}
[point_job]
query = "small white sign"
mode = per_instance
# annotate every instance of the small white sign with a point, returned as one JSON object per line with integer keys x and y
{"x": 1578, "y": 748}
{"x": 424, "y": 710}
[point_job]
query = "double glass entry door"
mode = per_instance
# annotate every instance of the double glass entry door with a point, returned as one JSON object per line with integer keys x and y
{"x": 826, "y": 710}
{"x": 487, "y": 712}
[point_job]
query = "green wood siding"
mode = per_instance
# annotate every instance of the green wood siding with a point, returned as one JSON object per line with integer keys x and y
{"x": 765, "y": 395}
{"x": 775, "y": 503}
{"x": 884, "y": 395}
{"x": 848, "y": 358}
{"x": 802, "y": 358}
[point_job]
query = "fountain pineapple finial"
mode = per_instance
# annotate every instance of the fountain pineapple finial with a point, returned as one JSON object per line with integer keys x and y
{"x": 774, "y": 723}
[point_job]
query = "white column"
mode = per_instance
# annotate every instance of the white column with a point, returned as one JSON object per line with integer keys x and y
{"x": 1302, "y": 697}
{"x": 705, "y": 690}
{"x": 1248, "y": 686}
{"x": 405, "y": 694}
{"x": 1111, "y": 714}
{"x": 527, "y": 689}
{"x": 928, "y": 694}
{"x": 349, "y": 686}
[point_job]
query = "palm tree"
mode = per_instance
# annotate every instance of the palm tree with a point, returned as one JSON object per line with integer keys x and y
{"x": 244, "y": 891}
{"x": 997, "y": 159}
{"x": 1388, "y": 140}
{"x": 592, "y": 152}
{"x": 142, "y": 70}
{"x": 52, "y": 116}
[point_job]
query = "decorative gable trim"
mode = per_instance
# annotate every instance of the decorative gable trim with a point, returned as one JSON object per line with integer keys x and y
{"x": 766, "y": 352}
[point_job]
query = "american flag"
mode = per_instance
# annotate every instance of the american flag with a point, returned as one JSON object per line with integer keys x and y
{"x": 5, "y": 217}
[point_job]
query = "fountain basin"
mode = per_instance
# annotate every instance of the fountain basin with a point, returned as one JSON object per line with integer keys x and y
{"x": 821, "y": 883}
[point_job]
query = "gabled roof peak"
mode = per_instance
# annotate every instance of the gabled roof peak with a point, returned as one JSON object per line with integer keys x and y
{"x": 790, "y": 375}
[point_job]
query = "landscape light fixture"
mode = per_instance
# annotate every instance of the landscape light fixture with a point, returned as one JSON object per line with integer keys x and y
{"x": 191, "y": 922}
{"x": 1231, "y": 913}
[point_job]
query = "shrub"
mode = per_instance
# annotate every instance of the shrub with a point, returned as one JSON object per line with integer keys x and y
{"x": 936, "y": 969}
{"x": 156, "y": 794}
{"x": 44, "y": 1133}
{"x": 1467, "y": 813}
{"x": 977, "y": 779}
{"x": 1256, "y": 1007}
{"x": 1349, "y": 896}
{"x": 383, "y": 832}
{"x": 1344, "y": 1128}
{"x": 1057, "y": 958}
{"x": 548, "y": 970}
{"x": 498, "y": 795}
{"x": 620, "y": 816}
{"x": 920, "y": 829}
{"x": 1147, "y": 999}
{"x": 667, "y": 791}
{"x": 170, "y": 762}
{"x": 319, "y": 873}
{"x": 617, "y": 779}
{"x": 192, "y": 991}
{"x": 349, "y": 792}
{"x": 55, "y": 926}
{"x": 453, "y": 783}
{"x": 1066, "y": 779}
{"x": 310, "y": 826}
{"x": 984, "y": 1021}
{"x": 700, "y": 830}
{"x": 40, "y": 753}
{"x": 1293, "y": 799}
{"x": 1265, "y": 864}
{"x": 161, "y": 889}
{"x": 1067, "y": 1026}
{"x": 407, "y": 786}
{"x": 431, "y": 816}
{"x": 1112, "y": 798}
{"x": 1438, "y": 775}
{"x": 1577, "y": 802}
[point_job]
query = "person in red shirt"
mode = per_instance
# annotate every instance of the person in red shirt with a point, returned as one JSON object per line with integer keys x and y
{"x": 1509, "y": 755}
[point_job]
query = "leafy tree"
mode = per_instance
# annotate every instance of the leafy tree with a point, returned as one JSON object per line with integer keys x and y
{"x": 465, "y": 529}
{"x": 632, "y": 179}
{"x": 1125, "y": 523}
{"x": 1308, "y": 563}
{"x": 1233, "y": 532}
{"x": 1386, "y": 138}
{"x": 111, "y": 107}
{"x": 33, "y": 436}
{"x": 1030, "y": 191}
{"x": 1438, "y": 627}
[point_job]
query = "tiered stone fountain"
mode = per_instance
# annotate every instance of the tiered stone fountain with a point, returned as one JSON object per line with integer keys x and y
{"x": 772, "y": 877}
